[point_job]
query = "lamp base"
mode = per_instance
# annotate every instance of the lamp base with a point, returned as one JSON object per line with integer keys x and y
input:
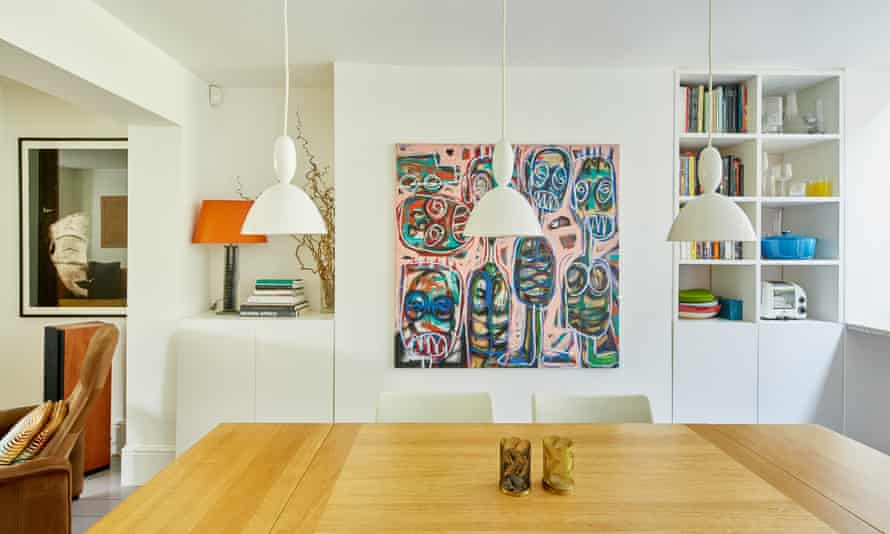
{"x": 230, "y": 282}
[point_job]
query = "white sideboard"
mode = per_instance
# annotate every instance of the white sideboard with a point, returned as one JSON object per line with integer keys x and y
{"x": 233, "y": 369}
{"x": 765, "y": 372}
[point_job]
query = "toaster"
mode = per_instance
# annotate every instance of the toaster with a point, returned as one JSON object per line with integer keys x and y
{"x": 782, "y": 300}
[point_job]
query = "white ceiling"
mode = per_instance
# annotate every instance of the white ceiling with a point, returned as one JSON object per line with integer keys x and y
{"x": 239, "y": 42}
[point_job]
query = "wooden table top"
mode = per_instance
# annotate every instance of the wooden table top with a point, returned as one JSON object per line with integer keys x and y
{"x": 343, "y": 478}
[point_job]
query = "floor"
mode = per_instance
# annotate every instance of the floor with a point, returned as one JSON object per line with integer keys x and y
{"x": 101, "y": 493}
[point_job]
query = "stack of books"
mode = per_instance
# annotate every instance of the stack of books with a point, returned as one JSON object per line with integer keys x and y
{"x": 730, "y": 103}
{"x": 711, "y": 250}
{"x": 276, "y": 297}
{"x": 698, "y": 304}
{"x": 732, "y": 184}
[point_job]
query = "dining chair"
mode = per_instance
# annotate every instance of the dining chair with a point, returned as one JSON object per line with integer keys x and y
{"x": 559, "y": 408}
{"x": 395, "y": 407}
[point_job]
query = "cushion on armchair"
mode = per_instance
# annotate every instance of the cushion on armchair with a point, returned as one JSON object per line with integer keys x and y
{"x": 60, "y": 410}
{"x": 20, "y": 435}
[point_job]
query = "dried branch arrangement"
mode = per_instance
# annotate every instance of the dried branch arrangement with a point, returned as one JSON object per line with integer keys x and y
{"x": 320, "y": 247}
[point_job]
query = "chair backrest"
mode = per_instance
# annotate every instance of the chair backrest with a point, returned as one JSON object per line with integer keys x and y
{"x": 93, "y": 374}
{"x": 558, "y": 408}
{"x": 434, "y": 408}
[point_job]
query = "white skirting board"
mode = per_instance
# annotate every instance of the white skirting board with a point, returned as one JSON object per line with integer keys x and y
{"x": 139, "y": 463}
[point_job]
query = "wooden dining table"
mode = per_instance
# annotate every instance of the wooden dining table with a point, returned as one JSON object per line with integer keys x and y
{"x": 442, "y": 478}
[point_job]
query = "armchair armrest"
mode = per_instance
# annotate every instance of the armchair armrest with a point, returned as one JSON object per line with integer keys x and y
{"x": 34, "y": 468}
{"x": 11, "y": 417}
{"x": 35, "y": 496}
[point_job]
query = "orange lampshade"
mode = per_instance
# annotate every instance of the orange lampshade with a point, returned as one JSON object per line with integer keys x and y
{"x": 220, "y": 221}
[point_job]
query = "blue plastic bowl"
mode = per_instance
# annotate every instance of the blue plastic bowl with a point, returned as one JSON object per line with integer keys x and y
{"x": 788, "y": 246}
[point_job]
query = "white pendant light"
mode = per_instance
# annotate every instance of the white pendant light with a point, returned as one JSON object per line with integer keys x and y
{"x": 711, "y": 216}
{"x": 284, "y": 208}
{"x": 503, "y": 211}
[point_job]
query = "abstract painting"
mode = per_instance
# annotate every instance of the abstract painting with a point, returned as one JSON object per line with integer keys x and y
{"x": 527, "y": 302}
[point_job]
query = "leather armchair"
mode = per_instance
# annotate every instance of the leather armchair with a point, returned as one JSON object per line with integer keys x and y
{"x": 35, "y": 496}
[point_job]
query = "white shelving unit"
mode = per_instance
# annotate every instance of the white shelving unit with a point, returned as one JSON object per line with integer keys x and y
{"x": 736, "y": 345}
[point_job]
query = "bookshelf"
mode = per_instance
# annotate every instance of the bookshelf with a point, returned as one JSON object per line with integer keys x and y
{"x": 812, "y": 156}
{"x": 756, "y": 370}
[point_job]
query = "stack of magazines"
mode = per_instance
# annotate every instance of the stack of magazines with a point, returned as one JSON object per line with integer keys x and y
{"x": 276, "y": 297}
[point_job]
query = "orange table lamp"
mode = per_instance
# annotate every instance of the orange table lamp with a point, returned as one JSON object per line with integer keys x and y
{"x": 219, "y": 223}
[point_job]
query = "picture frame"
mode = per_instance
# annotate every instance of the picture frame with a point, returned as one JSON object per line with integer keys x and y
{"x": 67, "y": 265}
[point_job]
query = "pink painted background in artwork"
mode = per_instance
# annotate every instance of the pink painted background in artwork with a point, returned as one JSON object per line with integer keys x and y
{"x": 574, "y": 189}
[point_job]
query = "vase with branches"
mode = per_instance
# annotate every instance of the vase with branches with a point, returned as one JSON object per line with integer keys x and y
{"x": 315, "y": 252}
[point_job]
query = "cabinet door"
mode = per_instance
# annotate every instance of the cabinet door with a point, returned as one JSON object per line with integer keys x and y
{"x": 215, "y": 382}
{"x": 715, "y": 372}
{"x": 294, "y": 366}
{"x": 801, "y": 373}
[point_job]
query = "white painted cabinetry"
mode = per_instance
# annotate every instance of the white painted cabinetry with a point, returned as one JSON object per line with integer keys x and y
{"x": 801, "y": 373}
{"x": 232, "y": 369}
{"x": 715, "y": 372}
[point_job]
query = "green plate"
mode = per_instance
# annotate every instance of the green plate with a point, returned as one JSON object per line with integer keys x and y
{"x": 696, "y": 296}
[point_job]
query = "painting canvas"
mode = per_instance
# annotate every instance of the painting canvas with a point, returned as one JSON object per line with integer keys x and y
{"x": 548, "y": 301}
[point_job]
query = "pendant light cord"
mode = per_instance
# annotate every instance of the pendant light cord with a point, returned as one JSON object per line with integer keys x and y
{"x": 504, "y": 73}
{"x": 710, "y": 76}
{"x": 286, "y": 70}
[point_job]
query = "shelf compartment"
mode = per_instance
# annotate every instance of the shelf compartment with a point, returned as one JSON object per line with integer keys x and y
{"x": 728, "y": 280}
{"x": 753, "y": 111}
{"x": 821, "y": 221}
{"x": 819, "y": 280}
{"x": 810, "y": 88}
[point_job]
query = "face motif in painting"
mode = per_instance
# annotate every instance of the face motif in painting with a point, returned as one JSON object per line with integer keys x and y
{"x": 533, "y": 271}
{"x": 547, "y": 175}
{"x": 588, "y": 296}
{"x": 433, "y": 224}
{"x": 480, "y": 178}
{"x": 593, "y": 198}
{"x": 424, "y": 174}
{"x": 431, "y": 306}
{"x": 489, "y": 312}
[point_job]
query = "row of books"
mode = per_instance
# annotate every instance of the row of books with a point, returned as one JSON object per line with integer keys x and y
{"x": 730, "y": 103}
{"x": 276, "y": 297}
{"x": 733, "y": 183}
{"x": 711, "y": 250}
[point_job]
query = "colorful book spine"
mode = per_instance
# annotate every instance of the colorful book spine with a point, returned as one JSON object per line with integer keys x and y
{"x": 729, "y": 103}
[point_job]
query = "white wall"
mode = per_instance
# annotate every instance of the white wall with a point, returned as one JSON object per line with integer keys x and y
{"x": 866, "y": 391}
{"x": 376, "y": 106}
{"x": 867, "y": 370}
{"x": 867, "y": 191}
{"x": 238, "y": 143}
{"x": 25, "y": 112}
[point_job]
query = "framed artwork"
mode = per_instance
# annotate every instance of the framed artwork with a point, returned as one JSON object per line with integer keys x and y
{"x": 73, "y": 227}
{"x": 550, "y": 301}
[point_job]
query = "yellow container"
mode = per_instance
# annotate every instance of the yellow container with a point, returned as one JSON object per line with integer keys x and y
{"x": 820, "y": 188}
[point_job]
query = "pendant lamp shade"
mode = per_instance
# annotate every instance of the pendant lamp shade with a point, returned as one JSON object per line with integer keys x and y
{"x": 284, "y": 208}
{"x": 503, "y": 212}
{"x": 711, "y": 217}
